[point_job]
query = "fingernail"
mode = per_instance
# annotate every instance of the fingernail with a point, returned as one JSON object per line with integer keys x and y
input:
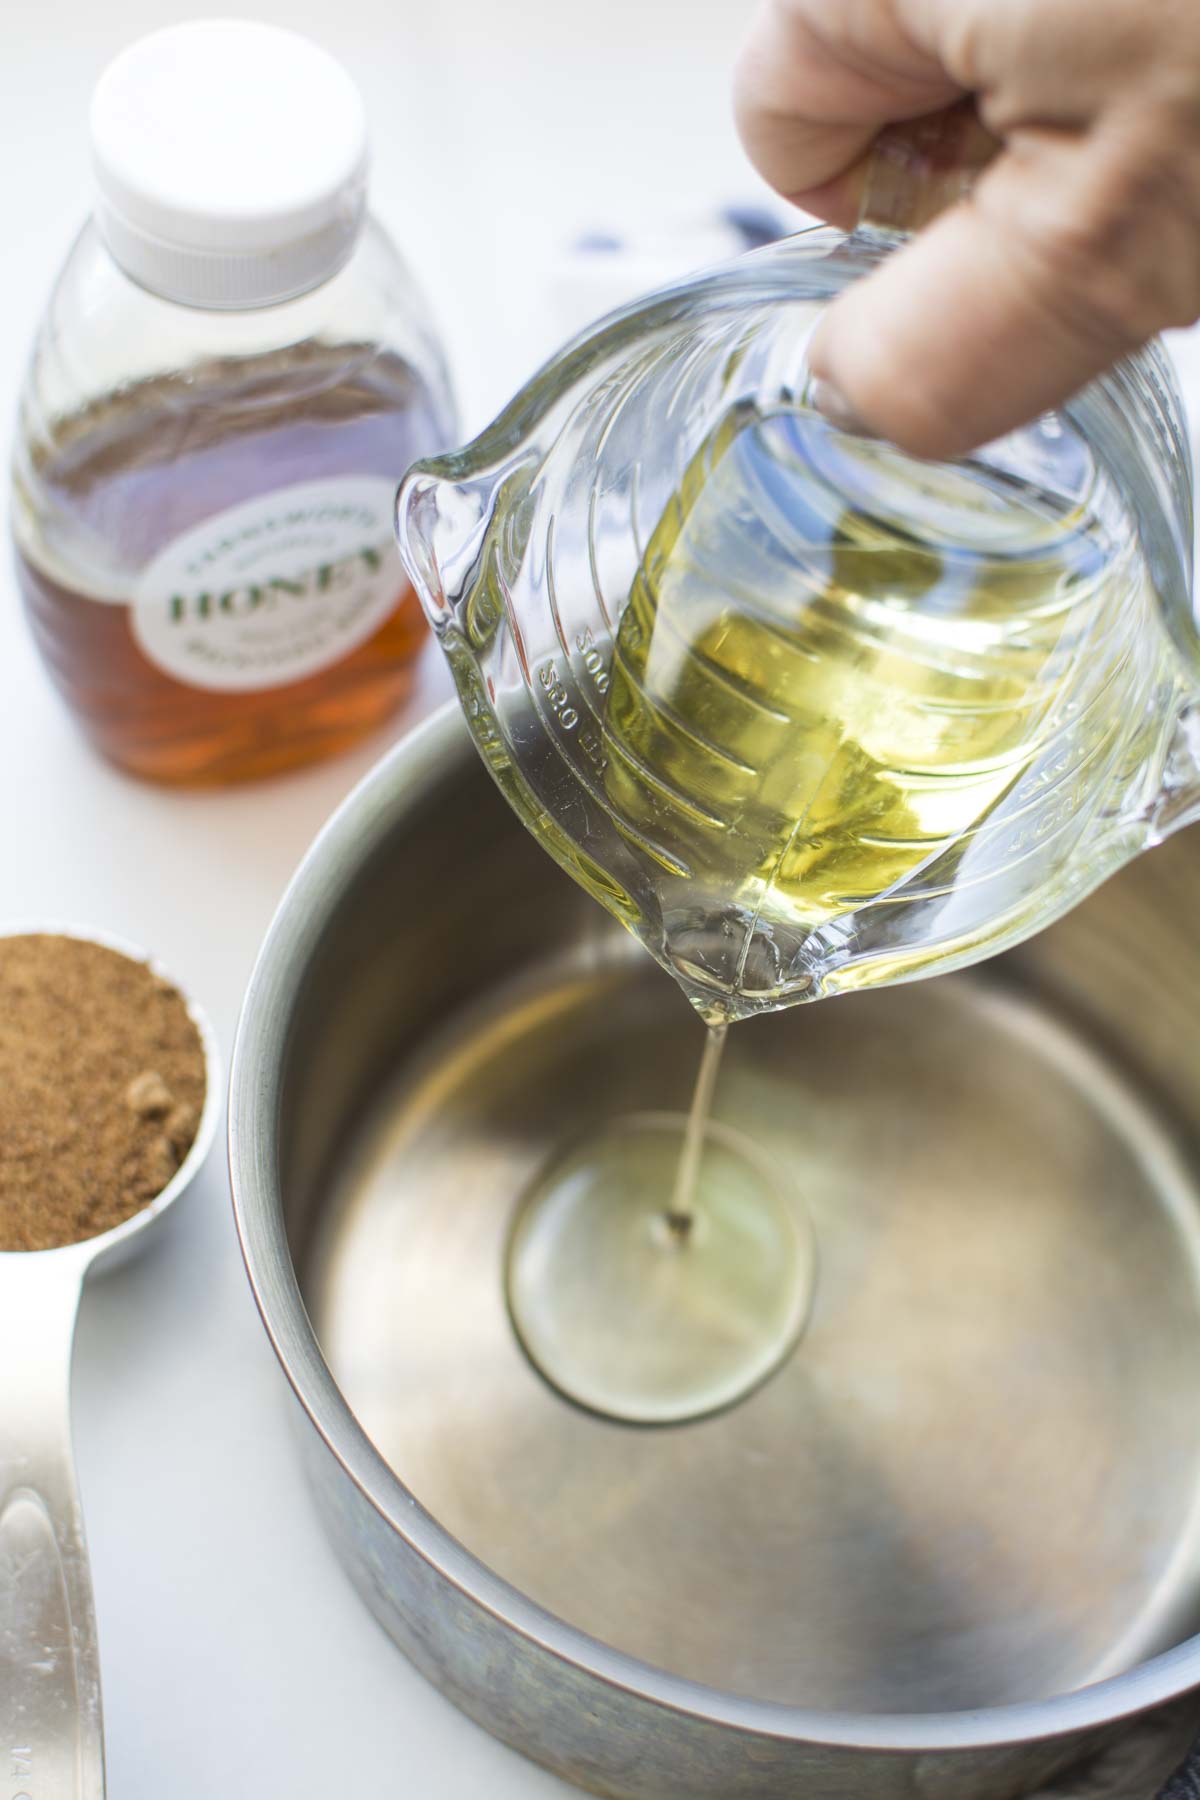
{"x": 833, "y": 405}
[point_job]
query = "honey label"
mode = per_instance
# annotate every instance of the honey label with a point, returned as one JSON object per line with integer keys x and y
{"x": 273, "y": 590}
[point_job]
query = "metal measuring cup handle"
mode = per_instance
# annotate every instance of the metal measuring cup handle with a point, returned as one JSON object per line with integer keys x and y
{"x": 50, "y": 1715}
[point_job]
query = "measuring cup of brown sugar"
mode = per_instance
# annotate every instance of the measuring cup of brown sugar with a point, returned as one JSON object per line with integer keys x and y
{"x": 109, "y": 1091}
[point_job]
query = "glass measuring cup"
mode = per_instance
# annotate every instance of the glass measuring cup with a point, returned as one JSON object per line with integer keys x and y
{"x": 806, "y": 714}
{"x": 547, "y": 554}
{"x": 50, "y": 1698}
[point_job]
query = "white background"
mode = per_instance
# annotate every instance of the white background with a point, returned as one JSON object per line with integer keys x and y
{"x": 237, "y": 1662}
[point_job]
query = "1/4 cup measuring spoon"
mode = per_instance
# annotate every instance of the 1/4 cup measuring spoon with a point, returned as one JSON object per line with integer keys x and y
{"x": 51, "y": 1723}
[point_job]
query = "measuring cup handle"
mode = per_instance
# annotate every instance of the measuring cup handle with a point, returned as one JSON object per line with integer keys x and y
{"x": 51, "y": 1729}
{"x": 919, "y": 168}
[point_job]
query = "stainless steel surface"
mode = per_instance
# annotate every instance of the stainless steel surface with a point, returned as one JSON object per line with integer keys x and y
{"x": 949, "y": 1549}
{"x": 976, "y": 1481}
{"x": 51, "y": 1725}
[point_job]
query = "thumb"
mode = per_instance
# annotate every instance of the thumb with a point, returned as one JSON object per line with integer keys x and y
{"x": 1002, "y": 308}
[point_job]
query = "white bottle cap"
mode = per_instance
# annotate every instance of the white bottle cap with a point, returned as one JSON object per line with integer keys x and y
{"x": 231, "y": 160}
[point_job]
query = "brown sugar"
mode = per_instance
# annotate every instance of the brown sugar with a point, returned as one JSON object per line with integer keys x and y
{"x": 102, "y": 1082}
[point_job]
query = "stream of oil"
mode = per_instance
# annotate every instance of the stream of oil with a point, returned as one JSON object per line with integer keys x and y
{"x": 857, "y": 721}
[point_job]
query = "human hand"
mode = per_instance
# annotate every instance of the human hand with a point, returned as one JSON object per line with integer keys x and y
{"x": 1079, "y": 242}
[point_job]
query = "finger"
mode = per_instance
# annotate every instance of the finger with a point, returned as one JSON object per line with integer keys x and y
{"x": 812, "y": 89}
{"x": 1000, "y": 310}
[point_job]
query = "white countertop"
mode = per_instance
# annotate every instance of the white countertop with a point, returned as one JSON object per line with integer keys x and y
{"x": 237, "y": 1661}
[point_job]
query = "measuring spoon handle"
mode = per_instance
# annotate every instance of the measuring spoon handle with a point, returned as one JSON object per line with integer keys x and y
{"x": 51, "y": 1725}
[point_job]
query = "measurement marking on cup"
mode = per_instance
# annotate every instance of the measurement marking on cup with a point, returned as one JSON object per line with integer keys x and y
{"x": 558, "y": 696}
{"x": 593, "y": 749}
{"x": 568, "y": 716}
{"x": 593, "y": 659}
{"x": 21, "y": 1756}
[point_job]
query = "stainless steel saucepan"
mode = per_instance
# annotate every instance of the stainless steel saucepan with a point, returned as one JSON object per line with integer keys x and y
{"x": 952, "y": 1549}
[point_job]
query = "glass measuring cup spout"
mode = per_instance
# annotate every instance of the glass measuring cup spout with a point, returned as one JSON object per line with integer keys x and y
{"x": 805, "y": 713}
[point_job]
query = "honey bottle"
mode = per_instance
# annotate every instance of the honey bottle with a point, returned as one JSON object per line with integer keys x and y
{"x": 233, "y": 372}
